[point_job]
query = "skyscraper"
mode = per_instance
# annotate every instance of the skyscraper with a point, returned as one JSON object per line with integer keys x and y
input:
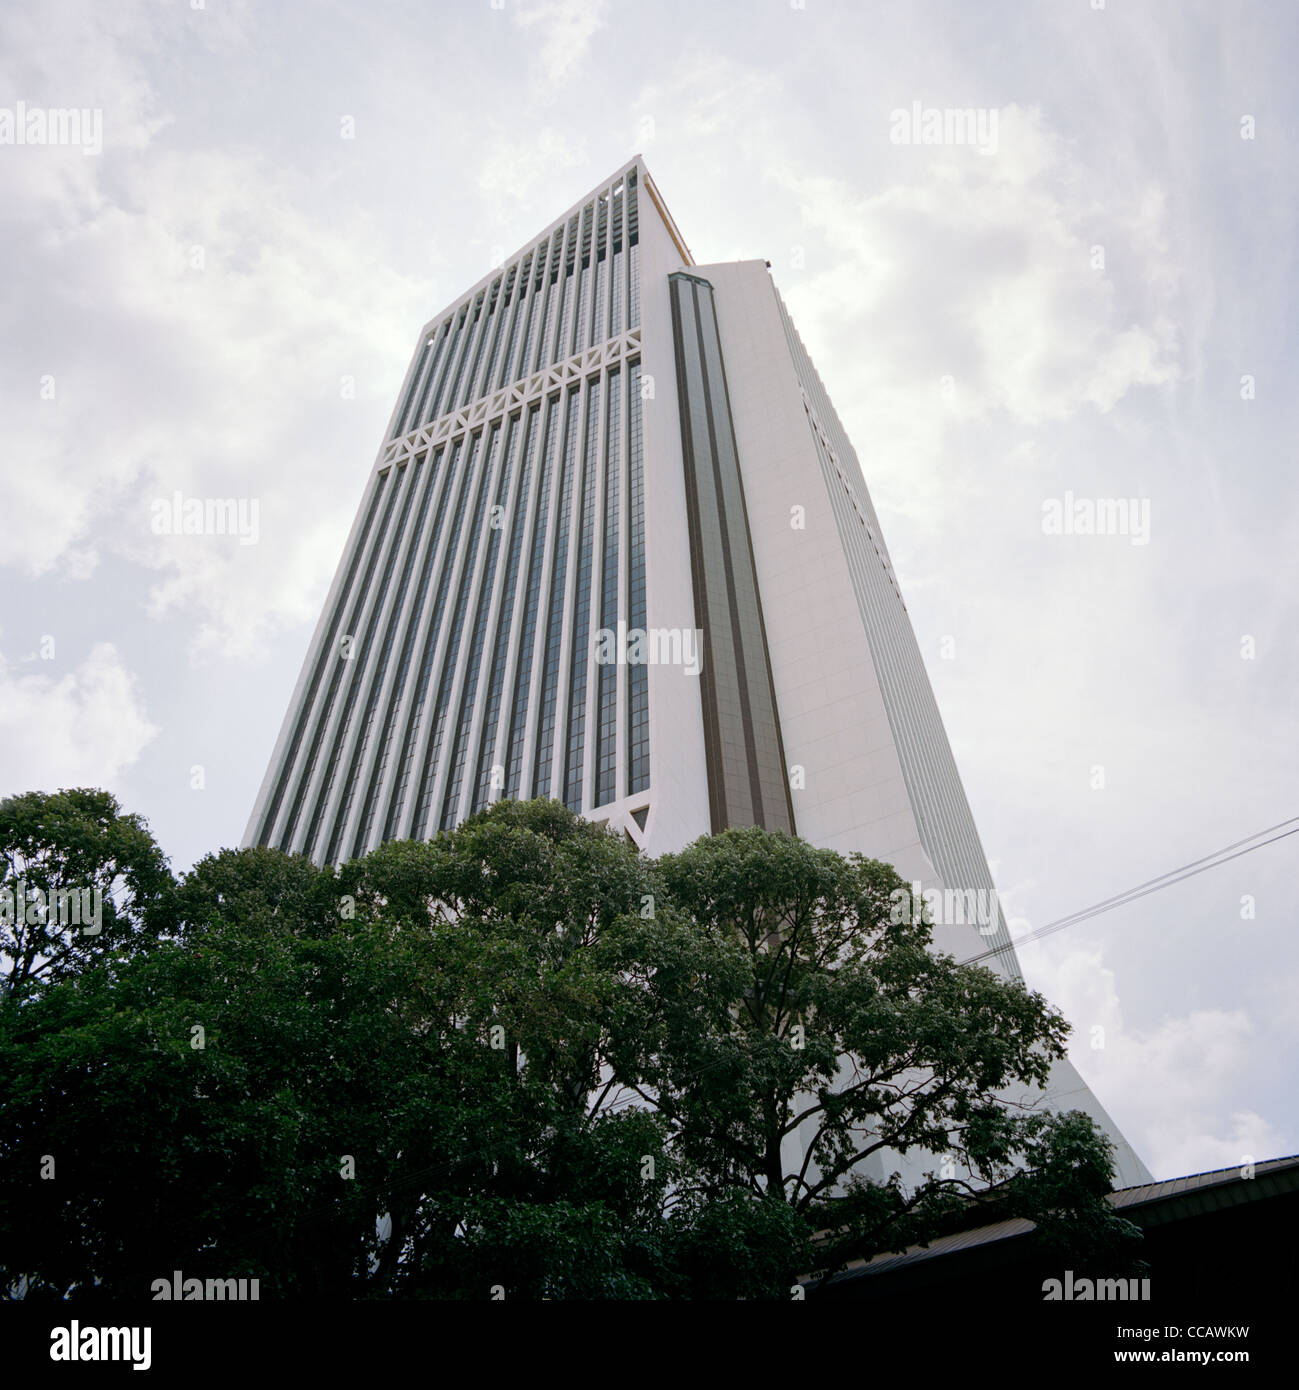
{"x": 617, "y": 549}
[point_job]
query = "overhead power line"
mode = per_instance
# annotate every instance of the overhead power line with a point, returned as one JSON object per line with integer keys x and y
{"x": 1151, "y": 885}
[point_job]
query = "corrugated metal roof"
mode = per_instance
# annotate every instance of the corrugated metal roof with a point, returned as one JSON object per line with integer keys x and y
{"x": 946, "y": 1245}
{"x": 1174, "y": 1187}
{"x": 1125, "y": 1198}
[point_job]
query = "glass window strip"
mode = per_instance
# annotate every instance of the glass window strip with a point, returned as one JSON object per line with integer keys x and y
{"x": 518, "y": 313}
{"x": 583, "y": 275}
{"x": 491, "y": 717}
{"x": 377, "y": 489}
{"x": 344, "y": 664}
{"x": 416, "y": 406}
{"x": 575, "y": 752}
{"x": 548, "y": 304}
{"x": 418, "y": 367}
{"x": 322, "y": 712}
{"x": 633, "y": 256}
{"x": 439, "y": 407}
{"x": 555, "y": 617}
{"x": 358, "y": 669}
{"x": 469, "y": 388}
{"x": 606, "y": 751}
{"x": 482, "y": 622}
{"x": 558, "y": 351}
{"x": 599, "y": 319}
{"x": 467, "y": 332}
{"x": 428, "y": 776}
{"x": 616, "y": 277}
{"x": 535, "y": 291}
{"x": 419, "y": 415}
{"x": 414, "y": 722}
{"x": 376, "y": 679}
{"x": 518, "y": 729}
{"x": 498, "y": 330}
{"x": 500, "y": 317}
{"x": 638, "y": 762}
{"x": 430, "y": 549}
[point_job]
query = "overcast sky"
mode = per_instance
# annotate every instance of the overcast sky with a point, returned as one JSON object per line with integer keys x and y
{"x": 285, "y": 193}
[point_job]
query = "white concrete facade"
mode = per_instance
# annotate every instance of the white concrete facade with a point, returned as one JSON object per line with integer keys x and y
{"x": 449, "y": 666}
{"x": 431, "y": 606}
{"x": 841, "y": 702}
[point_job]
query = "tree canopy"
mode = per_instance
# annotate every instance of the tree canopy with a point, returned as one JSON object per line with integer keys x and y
{"x": 77, "y": 875}
{"x": 519, "y": 1060}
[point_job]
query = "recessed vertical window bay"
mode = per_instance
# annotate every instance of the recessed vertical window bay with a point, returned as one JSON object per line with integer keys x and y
{"x": 745, "y": 757}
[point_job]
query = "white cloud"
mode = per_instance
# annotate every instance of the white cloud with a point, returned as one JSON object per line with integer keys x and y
{"x": 564, "y": 29}
{"x": 193, "y": 322}
{"x": 1172, "y": 1089}
{"x": 78, "y": 729}
{"x": 516, "y": 166}
{"x": 979, "y": 269}
{"x": 242, "y": 353}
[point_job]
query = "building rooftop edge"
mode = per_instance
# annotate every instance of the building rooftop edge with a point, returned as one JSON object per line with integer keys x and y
{"x": 636, "y": 163}
{"x": 1124, "y": 1198}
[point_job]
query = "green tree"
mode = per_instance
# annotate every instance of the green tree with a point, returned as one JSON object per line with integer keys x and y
{"x": 846, "y": 1028}
{"x": 553, "y": 912}
{"x": 434, "y": 1013}
{"x": 86, "y": 876}
{"x": 521, "y": 1058}
{"x": 249, "y": 1100}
